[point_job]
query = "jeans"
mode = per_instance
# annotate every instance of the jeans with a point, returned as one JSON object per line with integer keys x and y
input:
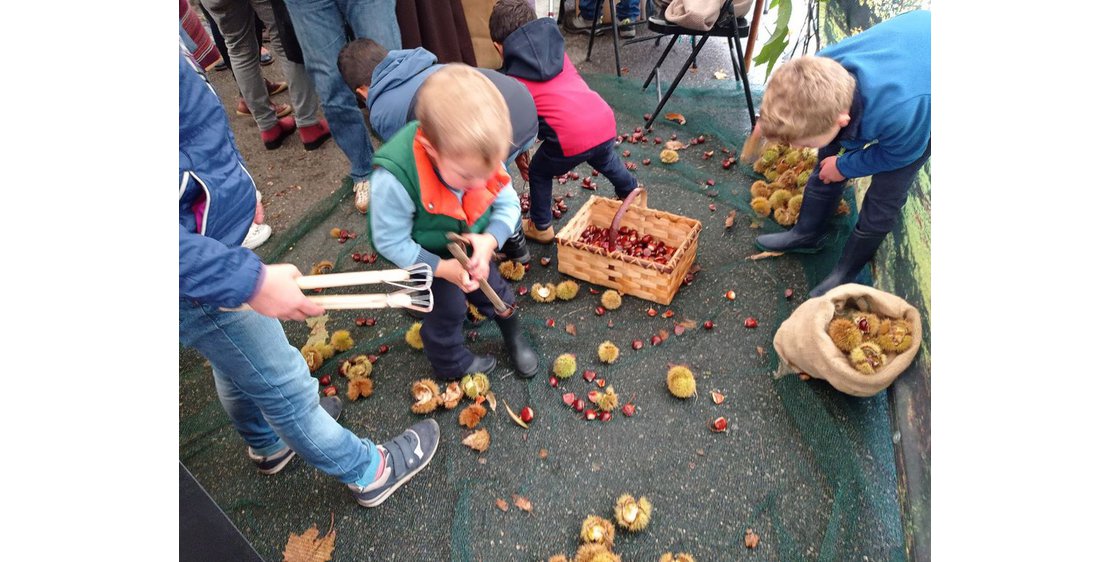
{"x": 626, "y": 9}
{"x": 320, "y": 29}
{"x": 264, "y": 386}
{"x": 548, "y": 162}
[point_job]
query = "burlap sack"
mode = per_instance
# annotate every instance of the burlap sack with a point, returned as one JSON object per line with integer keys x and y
{"x": 804, "y": 345}
{"x": 701, "y": 15}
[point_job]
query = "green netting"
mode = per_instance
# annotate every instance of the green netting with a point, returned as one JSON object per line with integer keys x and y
{"x": 810, "y": 469}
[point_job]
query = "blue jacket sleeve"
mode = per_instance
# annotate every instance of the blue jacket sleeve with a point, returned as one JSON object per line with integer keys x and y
{"x": 391, "y": 219}
{"x": 899, "y": 143}
{"x": 212, "y": 273}
{"x": 505, "y": 216}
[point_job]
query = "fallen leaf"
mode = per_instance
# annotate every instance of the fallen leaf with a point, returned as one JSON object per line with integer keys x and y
{"x": 760, "y": 351}
{"x": 663, "y": 335}
{"x": 763, "y": 255}
{"x": 523, "y": 503}
{"x": 479, "y": 440}
{"x": 309, "y": 546}
{"x": 751, "y": 540}
{"x": 730, "y": 219}
{"x": 516, "y": 418}
{"x": 675, "y": 145}
{"x": 717, "y": 397}
{"x": 676, "y": 117}
{"x": 492, "y": 400}
{"x": 720, "y": 75}
{"x": 501, "y": 504}
{"x": 572, "y": 330}
{"x": 688, "y": 324}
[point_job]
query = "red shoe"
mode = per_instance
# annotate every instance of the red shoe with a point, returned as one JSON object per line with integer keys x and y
{"x": 281, "y": 109}
{"x": 274, "y": 88}
{"x": 273, "y": 136}
{"x": 313, "y": 136}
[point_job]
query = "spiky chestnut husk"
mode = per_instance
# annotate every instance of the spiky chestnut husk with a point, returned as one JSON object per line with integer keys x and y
{"x": 867, "y": 323}
{"x": 760, "y": 166}
{"x": 361, "y": 387}
{"x": 803, "y": 178}
{"x": 608, "y": 352}
{"x": 867, "y": 358}
{"x": 596, "y": 530}
{"x": 341, "y": 340}
{"x": 784, "y": 217}
{"x": 607, "y": 401}
{"x": 595, "y": 553}
{"x": 543, "y": 293}
{"x": 632, "y": 514}
{"x": 771, "y": 153}
{"x": 566, "y": 290}
{"x": 326, "y": 350}
{"x": 779, "y": 199}
{"x": 793, "y": 156}
{"x": 771, "y": 175}
{"x": 677, "y": 557}
{"x": 558, "y": 558}
{"x": 794, "y": 205}
{"x": 611, "y": 299}
{"x": 782, "y": 167}
{"x": 321, "y": 267}
{"x": 843, "y": 208}
{"x": 313, "y": 358}
{"x": 474, "y": 314}
{"x": 895, "y": 335}
{"x": 763, "y": 190}
{"x": 511, "y": 270}
{"x": 565, "y": 365}
{"x": 680, "y": 381}
{"x": 471, "y": 415}
{"x": 357, "y": 366}
{"x": 759, "y": 185}
{"x": 412, "y": 337}
{"x": 761, "y": 206}
{"x": 475, "y": 385}
{"x": 426, "y": 394}
{"x": 451, "y": 396}
{"x": 787, "y": 179}
{"x": 845, "y": 334}
{"x": 668, "y": 156}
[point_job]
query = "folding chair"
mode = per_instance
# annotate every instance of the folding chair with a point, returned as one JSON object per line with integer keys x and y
{"x": 616, "y": 27}
{"x": 728, "y": 25}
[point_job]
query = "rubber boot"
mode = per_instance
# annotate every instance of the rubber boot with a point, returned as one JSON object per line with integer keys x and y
{"x": 811, "y": 231}
{"x": 524, "y": 358}
{"x": 858, "y": 250}
{"x": 515, "y": 249}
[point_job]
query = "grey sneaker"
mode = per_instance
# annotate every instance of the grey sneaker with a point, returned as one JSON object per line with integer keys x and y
{"x": 578, "y": 24}
{"x": 362, "y": 196}
{"x": 626, "y": 29}
{"x": 272, "y": 464}
{"x": 404, "y": 456}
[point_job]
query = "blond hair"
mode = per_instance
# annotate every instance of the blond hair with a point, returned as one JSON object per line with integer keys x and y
{"x": 804, "y": 98}
{"x": 462, "y": 113}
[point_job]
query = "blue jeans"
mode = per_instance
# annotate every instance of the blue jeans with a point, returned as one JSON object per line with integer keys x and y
{"x": 626, "y": 9}
{"x": 320, "y": 29}
{"x": 264, "y": 385}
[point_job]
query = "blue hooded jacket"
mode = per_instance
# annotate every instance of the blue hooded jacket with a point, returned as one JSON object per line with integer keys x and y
{"x": 892, "y": 66}
{"x": 213, "y": 184}
{"x": 393, "y": 87}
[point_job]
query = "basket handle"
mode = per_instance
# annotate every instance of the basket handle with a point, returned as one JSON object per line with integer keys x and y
{"x": 624, "y": 207}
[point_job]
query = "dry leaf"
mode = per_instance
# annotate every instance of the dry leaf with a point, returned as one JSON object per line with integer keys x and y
{"x": 479, "y": 440}
{"x": 676, "y": 117}
{"x": 763, "y": 255}
{"x": 688, "y": 324}
{"x": 717, "y": 397}
{"x": 492, "y": 400}
{"x": 516, "y": 418}
{"x": 309, "y": 546}
{"x": 760, "y": 351}
{"x": 675, "y": 145}
{"x": 501, "y": 504}
{"x": 572, "y": 330}
{"x": 523, "y": 503}
{"x": 730, "y": 219}
{"x": 663, "y": 335}
{"x": 720, "y": 75}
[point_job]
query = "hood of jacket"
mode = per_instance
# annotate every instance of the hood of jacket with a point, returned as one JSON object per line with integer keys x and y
{"x": 535, "y": 51}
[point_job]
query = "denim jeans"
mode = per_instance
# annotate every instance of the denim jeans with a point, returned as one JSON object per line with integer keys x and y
{"x": 320, "y": 29}
{"x": 626, "y": 9}
{"x": 264, "y": 385}
{"x": 548, "y": 162}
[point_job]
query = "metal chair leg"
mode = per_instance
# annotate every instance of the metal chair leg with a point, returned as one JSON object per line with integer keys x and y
{"x": 658, "y": 63}
{"x": 744, "y": 76}
{"x": 677, "y": 80}
{"x": 732, "y": 57}
{"x": 593, "y": 32}
{"x": 616, "y": 35}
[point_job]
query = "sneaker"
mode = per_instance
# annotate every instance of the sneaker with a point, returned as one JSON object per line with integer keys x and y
{"x": 315, "y": 135}
{"x": 544, "y": 236}
{"x": 404, "y": 456}
{"x": 272, "y": 464}
{"x": 264, "y": 57}
{"x": 222, "y": 65}
{"x": 275, "y": 88}
{"x": 257, "y": 235}
{"x": 274, "y": 136}
{"x": 626, "y": 29}
{"x": 281, "y": 110}
{"x": 362, "y": 196}
{"x": 578, "y": 24}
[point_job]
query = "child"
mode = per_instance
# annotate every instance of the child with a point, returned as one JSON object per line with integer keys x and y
{"x": 445, "y": 173}
{"x": 576, "y": 125}
{"x": 387, "y": 81}
{"x": 868, "y": 96}
{"x": 262, "y": 382}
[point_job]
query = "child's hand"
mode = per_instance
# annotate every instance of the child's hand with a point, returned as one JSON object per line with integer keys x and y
{"x": 829, "y": 173}
{"x": 280, "y": 297}
{"x": 522, "y": 163}
{"x": 451, "y": 270}
{"x": 484, "y": 245}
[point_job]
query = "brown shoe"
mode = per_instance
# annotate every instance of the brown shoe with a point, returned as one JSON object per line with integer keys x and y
{"x": 275, "y": 88}
{"x": 545, "y": 236}
{"x": 281, "y": 109}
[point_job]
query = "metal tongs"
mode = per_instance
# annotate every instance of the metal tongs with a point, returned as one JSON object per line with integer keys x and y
{"x": 414, "y": 282}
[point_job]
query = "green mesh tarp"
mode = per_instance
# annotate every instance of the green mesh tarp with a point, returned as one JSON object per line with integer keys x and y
{"x": 811, "y": 470}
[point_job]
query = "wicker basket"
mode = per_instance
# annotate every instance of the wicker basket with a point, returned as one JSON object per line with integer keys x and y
{"x": 629, "y": 275}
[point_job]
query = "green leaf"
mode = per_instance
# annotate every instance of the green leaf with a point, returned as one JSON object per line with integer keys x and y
{"x": 777, "y": 43}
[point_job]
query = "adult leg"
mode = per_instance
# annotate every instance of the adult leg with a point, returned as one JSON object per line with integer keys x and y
{"x": 301, "y": 90}
{"x": 235, "y": 18}
{"x": 605, "y": 160}
{"x": 374, "y": 19}
{"x": 881, "y": 208}
{"x": 266, "y": 389}
{"x": 819, "y": 204}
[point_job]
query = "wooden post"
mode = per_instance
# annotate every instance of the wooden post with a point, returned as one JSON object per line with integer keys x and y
{"x": 753, "y": 31}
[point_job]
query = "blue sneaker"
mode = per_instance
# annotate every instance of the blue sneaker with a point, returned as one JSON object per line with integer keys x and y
{"x": 405, "y": 455}
{"x": 272, "y": 464}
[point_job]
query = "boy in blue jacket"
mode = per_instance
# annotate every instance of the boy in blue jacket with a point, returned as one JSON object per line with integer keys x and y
{"x": 387, "y": 81}
{"x": 262, "y": 382}
{"x": 445, "y": 173}
{"x": 865, "y": 104}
